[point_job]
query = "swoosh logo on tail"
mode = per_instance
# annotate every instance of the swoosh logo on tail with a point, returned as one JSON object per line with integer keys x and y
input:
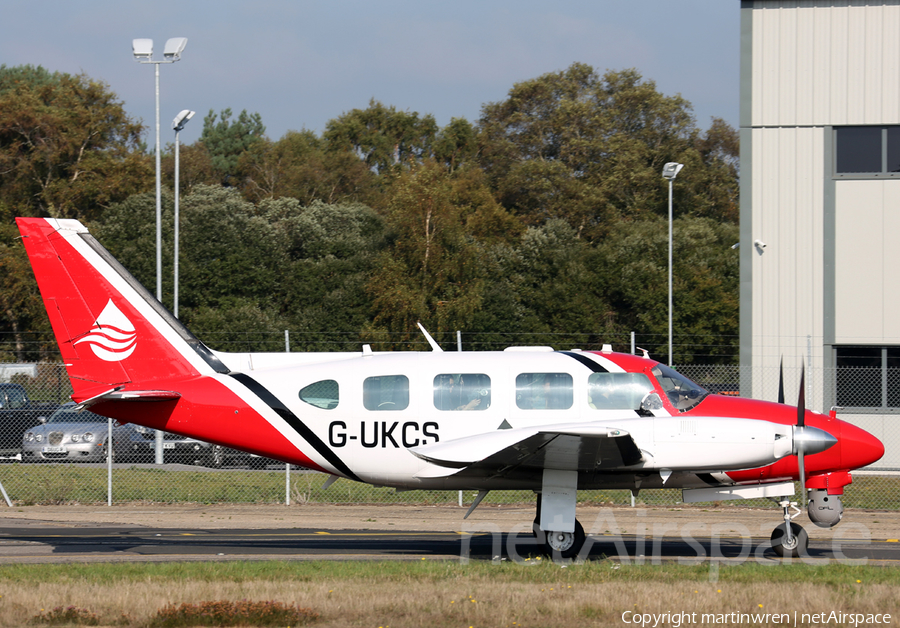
{"x": 113, "y": 337}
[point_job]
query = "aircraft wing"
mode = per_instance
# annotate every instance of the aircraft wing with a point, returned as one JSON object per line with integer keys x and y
{"x": 574, "y": 447}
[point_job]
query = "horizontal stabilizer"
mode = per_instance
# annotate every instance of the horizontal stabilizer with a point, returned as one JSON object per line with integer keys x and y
{"x": 131, "y": 395}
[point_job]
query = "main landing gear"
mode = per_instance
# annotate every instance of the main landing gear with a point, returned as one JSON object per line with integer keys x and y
{"x": 789, "y": 539}
{"x": 558, "y": 543}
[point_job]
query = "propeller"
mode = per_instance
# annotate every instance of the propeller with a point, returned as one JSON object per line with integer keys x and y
{"x": 801, "y": 426}
{"x": 807, "y": 440}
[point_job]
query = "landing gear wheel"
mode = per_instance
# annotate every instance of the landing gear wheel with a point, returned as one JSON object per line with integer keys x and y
{"x": 565, "y": 544}
{"x": 795, "y": 546}
{"x": 216, "y": 457}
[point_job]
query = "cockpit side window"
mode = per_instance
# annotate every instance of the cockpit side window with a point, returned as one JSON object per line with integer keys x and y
{"x": 544, "y": 391}
{"x": 617, "y": 391}
{"x": 324, "y": 394}
{"x": 386, "y": 393}
{"x": 462, "y": 391}
{"x": 682, "y": 392}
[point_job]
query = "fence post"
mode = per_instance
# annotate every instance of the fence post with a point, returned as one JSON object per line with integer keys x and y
{"x": 287, "y": 341}
{"x": 109, "y": 459}
{"x": 287, "y": 483}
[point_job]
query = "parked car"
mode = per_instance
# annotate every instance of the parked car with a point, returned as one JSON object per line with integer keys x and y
{"x": 17, "y": 414}
{"x": 185, "y": 450}
{"x": 71, "y": 435}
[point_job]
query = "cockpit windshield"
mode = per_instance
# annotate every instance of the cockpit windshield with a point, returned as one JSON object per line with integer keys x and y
{"x": 682, "y": 392}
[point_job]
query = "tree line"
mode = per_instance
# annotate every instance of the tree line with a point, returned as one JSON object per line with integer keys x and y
{"x": 547, "y": 215}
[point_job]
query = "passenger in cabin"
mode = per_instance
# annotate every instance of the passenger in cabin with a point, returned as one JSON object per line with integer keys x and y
{"x": 542, "y": 397}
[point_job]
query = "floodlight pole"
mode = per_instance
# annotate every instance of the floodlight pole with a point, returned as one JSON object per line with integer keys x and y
{"x": 158, "y": 199}
{"x": 670, "y": 271}
{"x": 142, "y": 49}
{"x": 143, "y": 53}
{"x": 670, "y": 171}
{"x": 178, "y": 123}
{"x": 177, "y": 220}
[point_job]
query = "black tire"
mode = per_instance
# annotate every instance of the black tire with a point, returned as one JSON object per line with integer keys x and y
{"x": 564, "y": 544}
{"x": 799, "y": 545}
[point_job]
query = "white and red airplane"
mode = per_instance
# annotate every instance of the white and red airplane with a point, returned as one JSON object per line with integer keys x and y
{"x": 527, "y": 418}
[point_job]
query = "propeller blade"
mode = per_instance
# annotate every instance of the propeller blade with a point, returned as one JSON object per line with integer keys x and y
{"x": 781, "y": 381}
{"x": 801, "y": 422}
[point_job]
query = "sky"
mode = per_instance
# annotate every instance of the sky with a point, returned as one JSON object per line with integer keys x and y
{"x": 300, "y": 63}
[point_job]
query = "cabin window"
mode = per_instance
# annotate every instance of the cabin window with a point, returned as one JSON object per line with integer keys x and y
{"x": 544, "y": 391}
{"x": 324, "y": 394}
{"x": 617, "y": 391}
{"x": 386, "y": 393}
{"x": 682, "y": 392}
{"x": 462, "y": 391}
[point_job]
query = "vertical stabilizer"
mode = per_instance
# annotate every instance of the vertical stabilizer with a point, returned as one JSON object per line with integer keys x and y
{"x": 111, "y": 332}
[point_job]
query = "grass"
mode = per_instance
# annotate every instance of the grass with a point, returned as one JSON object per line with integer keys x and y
{"x": 47, "y": 484}
{"x": 433, "y": 593}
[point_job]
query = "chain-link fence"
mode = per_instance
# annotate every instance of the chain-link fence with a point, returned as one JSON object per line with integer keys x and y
{"x": 197, "y": 472}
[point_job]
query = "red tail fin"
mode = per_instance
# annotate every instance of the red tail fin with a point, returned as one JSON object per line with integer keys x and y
{"x": 110, "y": 330}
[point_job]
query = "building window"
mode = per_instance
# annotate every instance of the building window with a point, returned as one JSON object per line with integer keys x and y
{"x": 867, "y": 151}
{"x": 868, "y": 377}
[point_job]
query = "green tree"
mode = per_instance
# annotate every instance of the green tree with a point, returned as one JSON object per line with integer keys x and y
{"x": 382, "y": 137}
{"x": 432, "y": 271}
{"x": 67, "y": 148}
{"x": 544, "y": 291}
{"x": 590, "y": 150}
{"x": 228, "y": 256}
{"x": 456, "y": 144}
{"x": 25, "y": 334}
{"x": 632, "y": 263}
{"x": 226, "y": 140}
{"x": 298, "y": 166}
{"x": 332, "y": 251}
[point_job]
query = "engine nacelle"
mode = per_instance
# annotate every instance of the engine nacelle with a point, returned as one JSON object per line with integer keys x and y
{"x": 825, "y": 510}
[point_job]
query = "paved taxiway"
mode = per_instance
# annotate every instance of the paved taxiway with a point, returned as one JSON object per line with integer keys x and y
{"x": 41, "y": 534}
{"x": 22, "y": 545}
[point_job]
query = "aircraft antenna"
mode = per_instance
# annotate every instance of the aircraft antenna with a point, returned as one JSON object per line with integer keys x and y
{"x": 434, "y": 345}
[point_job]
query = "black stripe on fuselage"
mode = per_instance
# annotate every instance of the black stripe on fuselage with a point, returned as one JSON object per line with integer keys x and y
{"x": 708, "y": 479}
{"x": 299, "y": 426}
{"x": 586, "y": 361}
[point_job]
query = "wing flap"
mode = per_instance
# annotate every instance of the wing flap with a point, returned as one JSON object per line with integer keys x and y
{"x": 574, "y": 447}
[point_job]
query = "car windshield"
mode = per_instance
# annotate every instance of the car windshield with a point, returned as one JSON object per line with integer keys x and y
{"x": 70, "y": 415}
{"x": 682, "y": 392}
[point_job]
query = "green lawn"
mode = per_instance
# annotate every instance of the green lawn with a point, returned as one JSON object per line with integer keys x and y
{"x": 28, "y": 484}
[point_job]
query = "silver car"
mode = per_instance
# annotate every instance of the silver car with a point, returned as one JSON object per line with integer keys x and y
{"x": 73, "y": 436}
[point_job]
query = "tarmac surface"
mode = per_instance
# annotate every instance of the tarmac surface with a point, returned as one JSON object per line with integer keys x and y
{"x": 41, "y": 534}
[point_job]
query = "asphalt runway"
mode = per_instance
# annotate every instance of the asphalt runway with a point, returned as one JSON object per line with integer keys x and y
{"x": 23, "y": 544}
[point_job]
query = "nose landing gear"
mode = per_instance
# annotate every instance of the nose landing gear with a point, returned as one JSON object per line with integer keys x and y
{"x": 789, "y": 539}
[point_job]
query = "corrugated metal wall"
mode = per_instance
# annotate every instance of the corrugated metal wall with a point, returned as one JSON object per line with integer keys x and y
{"x": 826, "y": 63}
